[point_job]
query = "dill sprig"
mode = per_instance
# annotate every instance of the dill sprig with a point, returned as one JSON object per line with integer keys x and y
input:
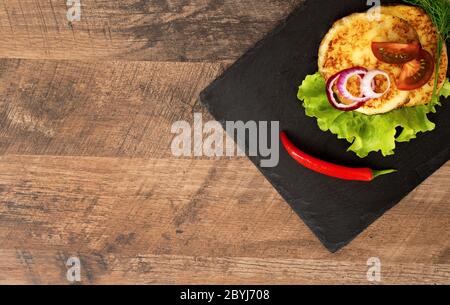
{"x": 439, "y": 12}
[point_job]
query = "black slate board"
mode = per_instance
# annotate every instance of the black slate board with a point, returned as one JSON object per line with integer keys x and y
{"x": 262, "y": 86}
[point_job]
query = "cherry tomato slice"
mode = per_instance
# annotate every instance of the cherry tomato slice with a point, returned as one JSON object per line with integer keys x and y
{"x": 417, "y": 72}
{"x": 395, "y": 53}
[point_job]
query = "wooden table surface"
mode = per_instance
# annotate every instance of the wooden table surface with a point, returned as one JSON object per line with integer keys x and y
{"x": 86, "y": 169}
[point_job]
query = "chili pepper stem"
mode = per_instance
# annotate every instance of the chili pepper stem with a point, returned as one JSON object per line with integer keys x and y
{"x": 383, "y": 172}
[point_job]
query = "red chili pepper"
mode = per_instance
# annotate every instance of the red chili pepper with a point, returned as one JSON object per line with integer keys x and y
{"x": 327, "y": 168}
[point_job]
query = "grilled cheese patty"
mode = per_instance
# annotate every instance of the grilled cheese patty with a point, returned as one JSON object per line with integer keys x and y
{"x": 348, "y": 44}
{"x": 428, "y": 38}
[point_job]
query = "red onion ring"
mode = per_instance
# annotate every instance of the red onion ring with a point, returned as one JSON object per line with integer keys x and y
{"x": 367, "y": 87}
{"x": 331, "y": 98}
{"x": 341, "y": 85}
{"x": 367, "y": 84}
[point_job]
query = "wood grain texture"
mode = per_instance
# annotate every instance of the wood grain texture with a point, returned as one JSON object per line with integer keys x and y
{"x": 97, "y": 108}
{"x": 86, "y": 168}
{"x": 175, "y": 30}
{"x": 45, "y": 267}
{"x": 219, "y": 210}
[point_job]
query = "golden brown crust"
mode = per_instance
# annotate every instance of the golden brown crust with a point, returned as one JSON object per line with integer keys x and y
{"x": 348, "y": 44}
{"x": 422, "y": 23}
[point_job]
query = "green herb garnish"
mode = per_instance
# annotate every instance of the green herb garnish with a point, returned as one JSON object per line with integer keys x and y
{"x": 439, "y": 12}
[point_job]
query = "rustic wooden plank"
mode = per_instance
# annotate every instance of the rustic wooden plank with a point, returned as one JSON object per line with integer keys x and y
{"x": 48, "y": 267}
{"x": 97, "y": 108}
{"x": 161, "y": 30}
{"x": 111, "y": 211}
{"x": 108, "y": 208}
{"x": 86, "y": 169}
{"x": 169, "y": 205}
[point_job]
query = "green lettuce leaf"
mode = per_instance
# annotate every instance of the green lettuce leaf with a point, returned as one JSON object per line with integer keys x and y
{"x": 366, "y": 133}
{"x": 445, "y": 91}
